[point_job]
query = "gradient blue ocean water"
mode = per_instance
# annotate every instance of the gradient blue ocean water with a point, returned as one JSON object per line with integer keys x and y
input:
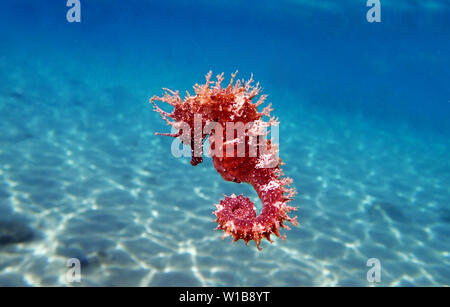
{"x": 364, "y": 133}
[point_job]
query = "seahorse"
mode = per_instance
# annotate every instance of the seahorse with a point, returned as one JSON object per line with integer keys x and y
{"x": 206, "y": 113}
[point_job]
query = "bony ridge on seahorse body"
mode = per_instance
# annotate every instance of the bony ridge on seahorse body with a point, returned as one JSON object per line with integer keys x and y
{"x": 247, "y": 157}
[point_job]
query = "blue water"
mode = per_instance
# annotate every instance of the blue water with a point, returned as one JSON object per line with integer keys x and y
{"x": 364, "y": 133}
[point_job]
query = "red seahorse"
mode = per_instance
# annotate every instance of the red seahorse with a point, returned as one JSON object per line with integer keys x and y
{"x": 212, "y": 105}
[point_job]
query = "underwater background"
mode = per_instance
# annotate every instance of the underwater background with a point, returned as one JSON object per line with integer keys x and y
{"x": 364, "y": 133}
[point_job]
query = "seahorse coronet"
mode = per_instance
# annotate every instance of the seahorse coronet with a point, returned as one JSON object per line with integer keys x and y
{"x": 236, "y": 214}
